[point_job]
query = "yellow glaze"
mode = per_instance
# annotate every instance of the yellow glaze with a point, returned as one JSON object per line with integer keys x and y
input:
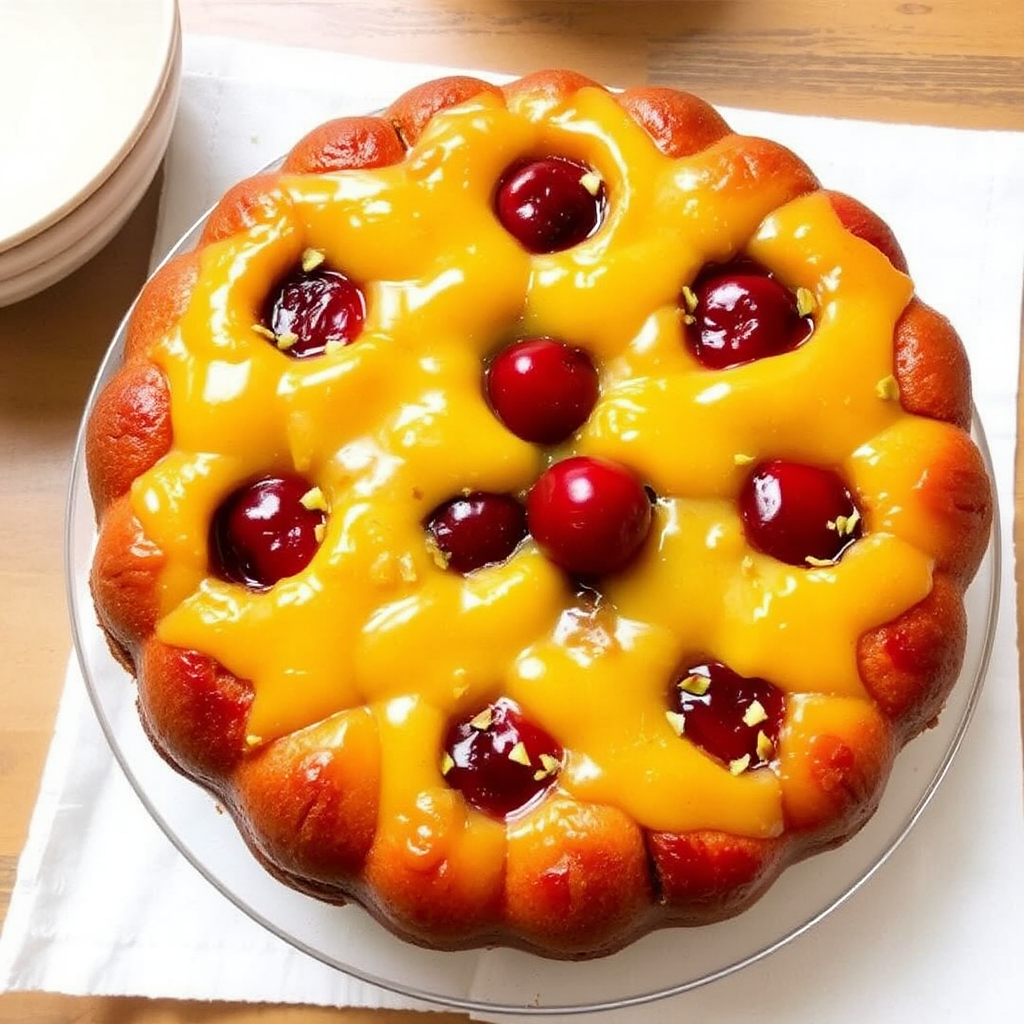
{"x": 396, "y": 423}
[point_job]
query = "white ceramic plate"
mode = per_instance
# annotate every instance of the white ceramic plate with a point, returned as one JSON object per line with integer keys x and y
{"x": 662, "y": 964}
{"x": 80, "y": 81}
{"x": 59, "y": 250}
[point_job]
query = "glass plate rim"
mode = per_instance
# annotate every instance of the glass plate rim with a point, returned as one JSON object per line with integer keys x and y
{"x": 928, "y": 790}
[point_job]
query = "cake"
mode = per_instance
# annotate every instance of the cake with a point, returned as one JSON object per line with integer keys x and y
{"x": 538, "y": 513}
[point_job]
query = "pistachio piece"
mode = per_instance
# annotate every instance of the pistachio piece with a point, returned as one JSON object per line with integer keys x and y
{"x": 519, "y": 754}
{"x": 888, "y": 389}
{"x": 311, "y": 259}
{"x": 805, "y": 301}
{"x": 314, "y": 500}
{"x": 819, "y": 563}
{"x": 483, "y": 720}
{"x": 677, "y": 721}
{"x": 695, "y": 684}
{"x": 755, "y": 714}
{"x": 765, "y": 747}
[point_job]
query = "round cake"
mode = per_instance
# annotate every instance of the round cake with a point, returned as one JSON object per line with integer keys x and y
{"x": 538, "y": 514}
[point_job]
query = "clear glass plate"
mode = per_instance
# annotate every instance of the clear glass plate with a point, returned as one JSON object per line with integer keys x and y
{"x": 663, "y": 964}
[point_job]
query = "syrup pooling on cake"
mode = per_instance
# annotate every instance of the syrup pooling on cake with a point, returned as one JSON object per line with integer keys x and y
{"x": 396, "y": 423}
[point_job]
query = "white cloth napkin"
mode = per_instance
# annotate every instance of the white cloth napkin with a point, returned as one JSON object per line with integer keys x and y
{"x": 105, "y": 904}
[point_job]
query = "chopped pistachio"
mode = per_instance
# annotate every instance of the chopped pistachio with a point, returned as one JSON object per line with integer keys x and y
{"x": 252, "y": 740}
{"x": 264, "y": 332}
{"x": 318, "y": 532}
{"x": 314, "y": 500}
{"x": 755, "y": 714}
{"x": 519, "y": 754}
{"x": 286, "y": 341}
{"x": 548, "y": 766}
{"x": 819, "y": 563}
{"x": 677, "y": 721}
{"x": 888, "y": 389}
{"x": 697, "y": 685}
{"x": 740, "y": 765}
{"x": 742, "y": 459}
{"x": 407, "y": 568}
{"x": 333, "y": 345}
{"x": 844, "y": 525}
{"x": 311, "y": 259}
{"x": 805, "y": 301}
{"x": 482, "y": 720}
{"x": 689, "y": 319}
{"x": 765, "y": 747}
{"x": 447, "y": 763}
{"x": 689, "y": 298}
{"x": 591, "y": 181}
{"x": 439, "y": 558}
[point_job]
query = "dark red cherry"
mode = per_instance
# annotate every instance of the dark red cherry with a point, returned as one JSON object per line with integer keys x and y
{"x": 542, "y": 390}
{"x": 731, "y": 717}
{"x": 476, "y": 530}
{"x": 550, "y": 204}
{"x": 310, "y": 309}
{"x": 740, "y": 313}
{"x": 589, "y": 516}
{"x": 499, "y": 760}
{"x": 798, "y": 514}
{"x": 266, "y": 530}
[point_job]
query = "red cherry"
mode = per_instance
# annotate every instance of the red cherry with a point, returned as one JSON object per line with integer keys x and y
{"x": 741, "y": 313}
{"x": 729, "y": 716}
{"x": 542, "y": 390}
{"x": 796, "y": 512}
{"x": 310, "y": 309}
{"x": 550, "y": 204}
{"x": 477, "y": 530}
{"x": 263, "y": 532}
{"x": 499, "y": 760}
{"x": 589, "y": 516}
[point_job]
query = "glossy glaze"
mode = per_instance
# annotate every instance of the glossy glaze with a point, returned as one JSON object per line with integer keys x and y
{"x": 395, "y": 423}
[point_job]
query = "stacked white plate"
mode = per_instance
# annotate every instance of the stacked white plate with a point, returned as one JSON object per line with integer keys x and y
{"x": 89, "y": 92}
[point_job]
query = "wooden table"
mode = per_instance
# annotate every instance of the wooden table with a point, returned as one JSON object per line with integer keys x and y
{"x": 958, "y": 63}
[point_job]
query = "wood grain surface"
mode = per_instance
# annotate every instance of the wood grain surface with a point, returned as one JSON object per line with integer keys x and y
{"x": 958, "y": 63}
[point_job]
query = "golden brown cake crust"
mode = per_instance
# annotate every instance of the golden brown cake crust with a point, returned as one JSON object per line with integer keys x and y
{"x": 569, "y": 878}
